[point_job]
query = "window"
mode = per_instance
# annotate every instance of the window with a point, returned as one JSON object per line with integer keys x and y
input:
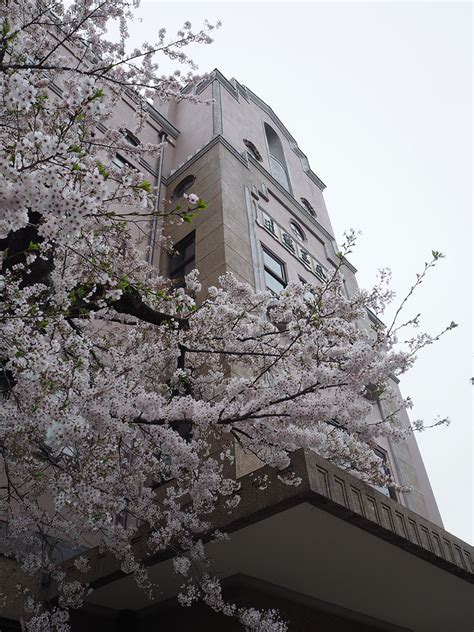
{"x": 275, "y": 273}
{"x": 130, "y": 137}
{"x": 253, "y": 151}
{"x": 183, "y": 186}
{"x": 309, "y": 294}
{"x": 308, "y": 206}
{"x": 278, "y": 166}
{"x": 384, "y": 489}
{"x": 119, "y": 162}
{"x": 182, "y": 262}
{"x": 297, "y": 231}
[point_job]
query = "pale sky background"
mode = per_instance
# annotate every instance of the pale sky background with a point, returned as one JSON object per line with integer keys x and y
{"x": 378, "y": 96}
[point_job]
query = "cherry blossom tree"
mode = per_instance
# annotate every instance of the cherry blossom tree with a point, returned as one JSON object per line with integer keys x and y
{"x": 115, "y": 384}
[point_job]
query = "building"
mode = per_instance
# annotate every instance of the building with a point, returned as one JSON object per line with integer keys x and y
{"x": 334, "y": 553}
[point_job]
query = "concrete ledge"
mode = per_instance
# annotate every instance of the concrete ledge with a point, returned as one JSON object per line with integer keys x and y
{"x": 328, "y": 488}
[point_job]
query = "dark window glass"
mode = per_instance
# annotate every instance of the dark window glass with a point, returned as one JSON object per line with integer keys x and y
{"x": 183, "y": 186}
{"x": 183, "y": 261}
{"x": 130, "y": 137}
{"x": 275, "y": 273}
{"x": 308, "y": 206}
{"x": 253, "y": 151}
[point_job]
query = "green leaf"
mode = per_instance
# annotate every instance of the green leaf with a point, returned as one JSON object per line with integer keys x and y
{"x": 123, "y": 283}
{"x": 102, "y": 170}
{"x": 38, "y": 475}
{"x": 98, "y": 94}
{"x": 145, "y": 185}
{"x": 33, "y": 246}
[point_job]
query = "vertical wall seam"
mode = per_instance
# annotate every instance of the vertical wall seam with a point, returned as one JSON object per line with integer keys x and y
{"x": 216, "y": 108}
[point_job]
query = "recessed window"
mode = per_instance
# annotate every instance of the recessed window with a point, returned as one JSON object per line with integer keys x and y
{"x": 183, "y": 186}
{"x": 130, "y": 137}
{"x": 278, "y": 167}
{"x": 183, "y": 261}
{"x": 308, "y": 206}
{"x": 119, "y": 162}
{"x": 253, "y": 151}
{"x": 385, "y": 489}
{"x": 274, "y": 271}
{"x": 309, "y": 294}
{"x": 297, "y": 231}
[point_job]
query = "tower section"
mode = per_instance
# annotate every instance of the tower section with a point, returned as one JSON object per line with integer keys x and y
{"x": 267, "y": 223}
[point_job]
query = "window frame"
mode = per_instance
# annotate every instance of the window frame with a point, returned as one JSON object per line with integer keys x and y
{"x": 174, "y": 266}
{"x": 119, "y": 163}
{"x": 283, "y": 280}
{"x": 252, "y": 150}
{"x": 307, "y": 206}
{"x": 386, "y": 491}
{"x": 130, "y": 137}
{"x": 297, "y": 231}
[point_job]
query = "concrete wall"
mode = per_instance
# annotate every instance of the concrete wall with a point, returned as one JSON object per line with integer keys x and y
{"x": 246, "y": 119}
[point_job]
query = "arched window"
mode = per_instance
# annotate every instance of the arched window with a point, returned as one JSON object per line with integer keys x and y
{"x": 297, "y": 231}
{"x": 278, "y": 166}
{"x": 308, "y": 206}
{"x": 183, "y": 186}
{"x": 253, "y": 151}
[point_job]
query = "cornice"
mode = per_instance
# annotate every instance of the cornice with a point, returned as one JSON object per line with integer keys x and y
{"x": 168, "y": 127}
{"x": 184, "y": 166}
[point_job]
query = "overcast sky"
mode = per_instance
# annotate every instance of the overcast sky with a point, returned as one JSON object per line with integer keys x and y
{"x": 378, "y": 96}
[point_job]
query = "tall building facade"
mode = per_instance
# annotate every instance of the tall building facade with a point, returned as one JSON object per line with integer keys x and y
{"x": 267, "y": 223}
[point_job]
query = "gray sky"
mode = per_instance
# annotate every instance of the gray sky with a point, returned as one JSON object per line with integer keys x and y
{"x": 378, "y": 96}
